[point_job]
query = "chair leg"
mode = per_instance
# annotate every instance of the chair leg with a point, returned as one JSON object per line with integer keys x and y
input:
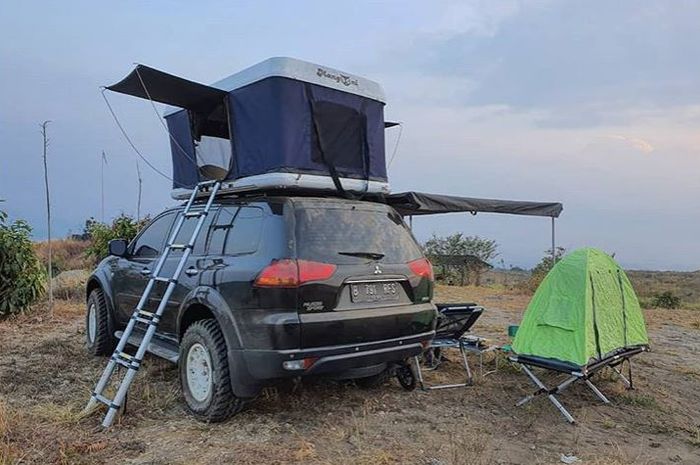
{"x": 596, "y": 391}
{"x": 470, "y": 379}
{"x": 550, "y": 393}
{"x": 625, "y": 381}
{"x": 416, "y": 360}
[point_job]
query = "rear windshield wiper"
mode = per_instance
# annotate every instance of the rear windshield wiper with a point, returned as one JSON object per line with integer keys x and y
{"x": 370, "y": 255}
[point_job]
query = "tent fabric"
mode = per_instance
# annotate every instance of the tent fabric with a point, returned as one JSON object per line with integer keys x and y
{"x": 418, "y": 203}
{"x": 276, "y": 124}
{"x": 172, "y": 90}
{"x": 584, "y": 310}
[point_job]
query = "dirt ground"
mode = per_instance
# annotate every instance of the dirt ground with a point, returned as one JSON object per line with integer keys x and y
{"x": 46, "y": 377}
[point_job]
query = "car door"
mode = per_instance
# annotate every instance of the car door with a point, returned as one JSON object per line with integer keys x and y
{"x": 133, "y": 270}
{"x": 190, "y": 275}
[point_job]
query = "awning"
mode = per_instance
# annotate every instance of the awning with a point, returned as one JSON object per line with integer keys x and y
{"x": 172, "y": 90}
{"x": 418, "y": 203}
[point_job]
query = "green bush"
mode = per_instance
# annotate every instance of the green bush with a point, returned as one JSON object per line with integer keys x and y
{"x": 538, "y": 273}
{"x": 123, "y": 227}
{"x": 666, "y": 300}
{"x": 21, "y": 274}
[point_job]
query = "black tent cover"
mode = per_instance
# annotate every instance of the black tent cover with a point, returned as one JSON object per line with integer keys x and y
{"x": 172, "y": 90}
{"x": 419, "y": 203}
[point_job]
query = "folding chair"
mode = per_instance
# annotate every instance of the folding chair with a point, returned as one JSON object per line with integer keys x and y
{"x": 576, "y": 373}
{"x": 454, "y": 320}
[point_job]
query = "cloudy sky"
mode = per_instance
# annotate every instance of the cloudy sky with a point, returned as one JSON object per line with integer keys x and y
{"x": 595, "y": 104}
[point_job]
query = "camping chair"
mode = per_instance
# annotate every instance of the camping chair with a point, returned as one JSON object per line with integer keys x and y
{"x": 576, "y": 373}
{"x": 454, "y": 320}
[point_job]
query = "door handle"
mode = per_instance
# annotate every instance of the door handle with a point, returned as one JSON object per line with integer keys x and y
{"x": 145, "y": 271}
{"x": 191, "y": 271}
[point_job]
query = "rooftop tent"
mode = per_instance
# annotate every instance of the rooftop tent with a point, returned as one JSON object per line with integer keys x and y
{"x": 584, "y": 311}
{"x": 280, "y": 123}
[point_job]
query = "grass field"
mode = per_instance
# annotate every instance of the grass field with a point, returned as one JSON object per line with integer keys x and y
{"x": 46, "y": 377}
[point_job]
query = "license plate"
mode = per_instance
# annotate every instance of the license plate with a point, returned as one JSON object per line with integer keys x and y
{"x": 380, "y": 291}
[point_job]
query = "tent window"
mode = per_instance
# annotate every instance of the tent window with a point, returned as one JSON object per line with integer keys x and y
{"x": 212, "y": 143}
{"x": 340, "y": 134}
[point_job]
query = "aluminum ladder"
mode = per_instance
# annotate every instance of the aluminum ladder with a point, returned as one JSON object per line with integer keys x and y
{"x": 133, "y": 362}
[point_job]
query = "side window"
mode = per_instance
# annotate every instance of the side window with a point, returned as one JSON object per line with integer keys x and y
{"x": 150, "y": 243}
{"x": 187, "y": 229}
{"x": 245, "y": 235}
{"x": 237, "y": 231}
{"x": 220, "y": 230}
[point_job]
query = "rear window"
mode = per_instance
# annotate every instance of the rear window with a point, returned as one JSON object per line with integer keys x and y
{"x": 351, "y": 234}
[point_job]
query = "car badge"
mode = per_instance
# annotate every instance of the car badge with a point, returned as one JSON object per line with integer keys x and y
{"x": 377, "y": 270}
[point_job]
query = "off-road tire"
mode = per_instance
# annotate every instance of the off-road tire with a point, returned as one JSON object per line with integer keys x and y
{"x": 374, "y": 381}
{"x": 104, "y": 341}
{"x": 221, "y": 403}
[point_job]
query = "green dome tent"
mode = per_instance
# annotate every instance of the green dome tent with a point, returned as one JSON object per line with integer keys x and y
{"x": 585, "y": 310}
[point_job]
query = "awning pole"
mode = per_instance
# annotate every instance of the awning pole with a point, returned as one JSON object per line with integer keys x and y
{"x": 554, "y": 247}
{"x": 410, "y": 222}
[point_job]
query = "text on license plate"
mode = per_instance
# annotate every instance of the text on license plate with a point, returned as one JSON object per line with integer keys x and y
{"x": 374, "y": 292}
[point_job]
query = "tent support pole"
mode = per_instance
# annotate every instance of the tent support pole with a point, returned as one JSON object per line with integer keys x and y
{"x": 554, "y": 247}
{"x": 410, "y": 222}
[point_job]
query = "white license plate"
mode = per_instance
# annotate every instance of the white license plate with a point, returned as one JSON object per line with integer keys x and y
{"x": 380, "y": 291}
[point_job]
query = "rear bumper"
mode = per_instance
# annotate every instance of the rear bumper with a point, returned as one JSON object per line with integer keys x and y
{"x": 268, "y": 364}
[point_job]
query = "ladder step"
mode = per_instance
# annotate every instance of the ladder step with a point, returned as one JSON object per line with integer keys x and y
{"x": 195, "y": 214}
{"x": 104, "y": 400}
{"x": 142, "y": 316}
{"x": 126, "y": 360}
{"x": 179, "y": 246}
{"x": 163, "y": 279}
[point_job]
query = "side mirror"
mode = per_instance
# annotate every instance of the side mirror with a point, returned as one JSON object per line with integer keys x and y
{"x": 117, "y": 247}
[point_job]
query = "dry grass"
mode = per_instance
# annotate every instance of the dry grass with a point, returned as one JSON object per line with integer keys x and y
{"x": 46, "y": 376}
{"x": 66, "y": 254}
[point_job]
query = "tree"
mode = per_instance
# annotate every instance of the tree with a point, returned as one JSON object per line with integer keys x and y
{"x": 123, "y": 227}
{"x": 48, "y": 212}
{"x": 458, "y": 244}
{"x": 21, "y": 273}
{"x": 542, "y": 268}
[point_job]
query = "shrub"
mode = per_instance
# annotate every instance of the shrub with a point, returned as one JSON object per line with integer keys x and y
{"x": 666, "y": 300}
{"x": 66, "y": 254}
{"x": 458, "y": 245}
{"x": 542, "y": 268}
{"x": 21, "y": 274}
{"x": 123, "y": 227}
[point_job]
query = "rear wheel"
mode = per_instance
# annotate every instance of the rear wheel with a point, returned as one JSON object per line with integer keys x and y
{"x": 98, "y": 328}
{"x": 205, "y": 376}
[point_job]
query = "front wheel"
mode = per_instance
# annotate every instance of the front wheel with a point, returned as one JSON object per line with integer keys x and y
{"x": 205, "y": 376}
{"x": 98, "y": 328}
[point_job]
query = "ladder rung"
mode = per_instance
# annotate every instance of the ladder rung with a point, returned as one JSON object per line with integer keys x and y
{"x": 142, "y": 316}
{"x": 102, "y": 399}
{"x": 207, "y": 183}
{"x": 126, "y": 360}
{"x": 195, "y": 214}
{"x": 179, "y": 246}
{"x": 163, "y": 279}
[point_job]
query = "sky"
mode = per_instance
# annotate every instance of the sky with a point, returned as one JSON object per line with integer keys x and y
{"x": 595, "y": 104}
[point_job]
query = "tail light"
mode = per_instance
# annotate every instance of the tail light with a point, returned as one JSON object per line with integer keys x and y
{"x": 422, "y": 268}
{"x": 293, "y": 273}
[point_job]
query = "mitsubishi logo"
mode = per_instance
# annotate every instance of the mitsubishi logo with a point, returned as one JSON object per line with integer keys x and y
{"x": 377, "y": 270}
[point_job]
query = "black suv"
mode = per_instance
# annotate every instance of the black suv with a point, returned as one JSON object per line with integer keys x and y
{"x": 276, "y": 287}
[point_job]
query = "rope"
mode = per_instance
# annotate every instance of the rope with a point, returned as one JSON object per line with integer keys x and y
{"x": 396, "y": 145}
{"x": 131, "y": 143}
{"x": 160, "y": 120}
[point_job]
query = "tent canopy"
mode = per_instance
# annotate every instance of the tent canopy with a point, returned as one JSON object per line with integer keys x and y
{"x": 145, "y": 82}
{"x": 584, "y": 310}
{"x": 418, "y": 203}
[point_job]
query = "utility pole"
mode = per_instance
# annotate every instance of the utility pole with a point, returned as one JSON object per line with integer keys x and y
{"x": 102, "y": 186}
{"x": 48, "y": 213}
{"x": 138, "y": 203}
